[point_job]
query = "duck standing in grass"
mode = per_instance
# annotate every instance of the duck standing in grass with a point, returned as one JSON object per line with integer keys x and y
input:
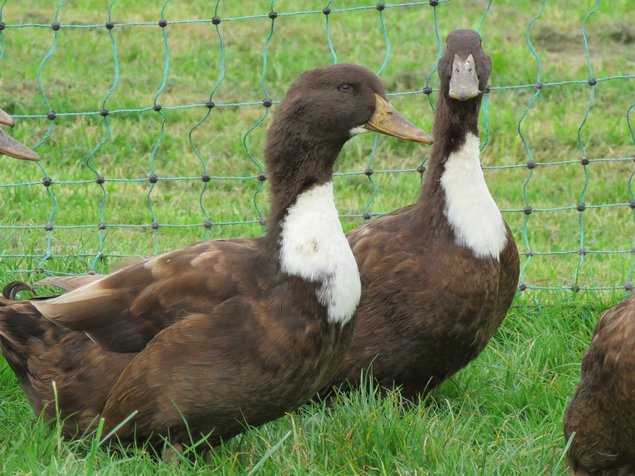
{"x": 602, "y": 409}
{"x": 224, "y": 333}
{"x": 11, "y": 147}
{"x": 438, "y": 276}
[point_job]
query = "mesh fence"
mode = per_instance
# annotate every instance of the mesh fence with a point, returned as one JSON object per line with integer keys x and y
{"x": 125, "y": 174}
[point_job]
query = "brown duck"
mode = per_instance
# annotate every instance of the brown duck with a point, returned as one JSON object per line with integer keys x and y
{"x": 602, "y": 409}
{"x": 438, "y": 276}
{"x": 11, "y": 147}
{"x": 221, "y": 333}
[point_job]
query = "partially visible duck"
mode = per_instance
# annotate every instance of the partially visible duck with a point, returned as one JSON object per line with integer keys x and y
{"x": 438, "y": 276}
{"x": 220, "y": 333}
{"x": 11, "y": 147}
{"x": 602, "y": 409}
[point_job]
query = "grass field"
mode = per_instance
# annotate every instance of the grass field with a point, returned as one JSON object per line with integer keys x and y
{"x": 502, "y": 415}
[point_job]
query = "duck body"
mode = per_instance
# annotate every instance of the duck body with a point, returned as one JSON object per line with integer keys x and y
{"x": 438, "y": 276}
{"x": 602, "y": 409}
{"x": 174, "y": 325}
{"x": 210, "y": 338}
{"x": 441, "y": 315}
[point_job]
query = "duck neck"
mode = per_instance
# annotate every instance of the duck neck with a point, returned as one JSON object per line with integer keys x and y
{"x": 453, "y": 122}
{"x": 304, "y": 234}
{"x": 455, "y": 193}
{"x": 295, "y": 165}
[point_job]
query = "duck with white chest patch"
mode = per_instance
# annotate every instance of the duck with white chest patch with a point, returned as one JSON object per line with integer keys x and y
{"x": 221, "y": 333}
{"x": 438, "y": 276}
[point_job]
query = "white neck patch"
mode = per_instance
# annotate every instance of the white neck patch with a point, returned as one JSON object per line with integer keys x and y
{"x": 313, "y": 246}
{"x": 469, "y": 207}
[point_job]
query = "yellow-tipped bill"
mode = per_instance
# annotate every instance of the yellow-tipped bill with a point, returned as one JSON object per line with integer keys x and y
{"x": 389, "y": 121}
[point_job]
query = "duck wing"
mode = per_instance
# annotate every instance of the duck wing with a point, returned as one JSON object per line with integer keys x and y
{"x": 123, "y": 311}
{"x": 611, "y": 356}
{"x": 55, "y": 364}
{"x": 371, "y": 241}
{"x": 69, "y": 283}
{"x": 601, "y": 410}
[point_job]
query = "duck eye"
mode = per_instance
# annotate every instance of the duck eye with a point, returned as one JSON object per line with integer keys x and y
{"x": 345, "y": 87}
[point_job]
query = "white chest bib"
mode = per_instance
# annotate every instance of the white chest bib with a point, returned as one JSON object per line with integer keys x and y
{"x": 469, "y": 207}
{"x": 313, "y": 246}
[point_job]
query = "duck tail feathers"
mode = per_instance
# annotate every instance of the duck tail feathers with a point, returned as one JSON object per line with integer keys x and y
{"x": 11, "y": 290}
{"x": 20, "y": 328}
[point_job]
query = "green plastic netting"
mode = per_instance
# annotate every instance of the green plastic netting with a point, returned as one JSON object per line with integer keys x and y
{"x": 128, "y": 173}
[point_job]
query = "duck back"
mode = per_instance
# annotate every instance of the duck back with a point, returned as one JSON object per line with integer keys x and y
{"x": 601, "y": 412}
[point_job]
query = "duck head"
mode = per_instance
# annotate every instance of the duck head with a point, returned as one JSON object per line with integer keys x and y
{"x": 324, "y": 108}
{"x": 334, "y": 103}
{"x": 464, "y": 68}
{"x": 11, "y": 147}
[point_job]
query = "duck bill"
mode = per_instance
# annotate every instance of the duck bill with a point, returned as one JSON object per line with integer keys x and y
{"x": 464, "y": 80}
{"x": 11, "y": 147}
{"x": 6, "y": 119}
{"x": 389, "y": 121}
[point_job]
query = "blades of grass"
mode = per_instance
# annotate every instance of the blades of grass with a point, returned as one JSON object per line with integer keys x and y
{"x": 193, "y": 444}
{"x": 563, "y": 454}
{"x": 118, "y": 427}
{"x": 268, "y": 454}
{"x": 94, "y": 446}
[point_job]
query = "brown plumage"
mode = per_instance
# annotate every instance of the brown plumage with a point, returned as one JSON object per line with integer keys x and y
{"x": 430, "y": 299}
{"x": 221, "y": 333}
{"x": 602, "y": 409}
{"x": 11, "y": 147}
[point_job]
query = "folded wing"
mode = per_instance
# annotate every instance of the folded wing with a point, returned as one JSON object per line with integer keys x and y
{"x": 123, "y": 311}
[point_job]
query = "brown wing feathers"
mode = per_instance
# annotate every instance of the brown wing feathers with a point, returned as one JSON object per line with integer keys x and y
{"x": 125, "y": 310}
{"x": 602, "y": 409}
{"x": 68, "y": 283}
{"x": 19, "y": 329}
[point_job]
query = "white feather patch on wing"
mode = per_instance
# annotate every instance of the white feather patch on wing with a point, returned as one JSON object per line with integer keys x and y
{"x": 313, "y": 246}
{"x": 69, "y": 283}
{"x": 469, "y": 207}
{"x": 86, "y": 295}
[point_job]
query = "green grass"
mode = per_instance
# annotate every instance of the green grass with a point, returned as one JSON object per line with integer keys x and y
{"x": 501, "y": 415}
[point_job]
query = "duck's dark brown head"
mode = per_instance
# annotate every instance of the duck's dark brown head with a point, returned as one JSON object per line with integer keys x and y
{"x": 322, "y": 110}
{"x": 464, "y": 68}
{"x": 333, "y": 103}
